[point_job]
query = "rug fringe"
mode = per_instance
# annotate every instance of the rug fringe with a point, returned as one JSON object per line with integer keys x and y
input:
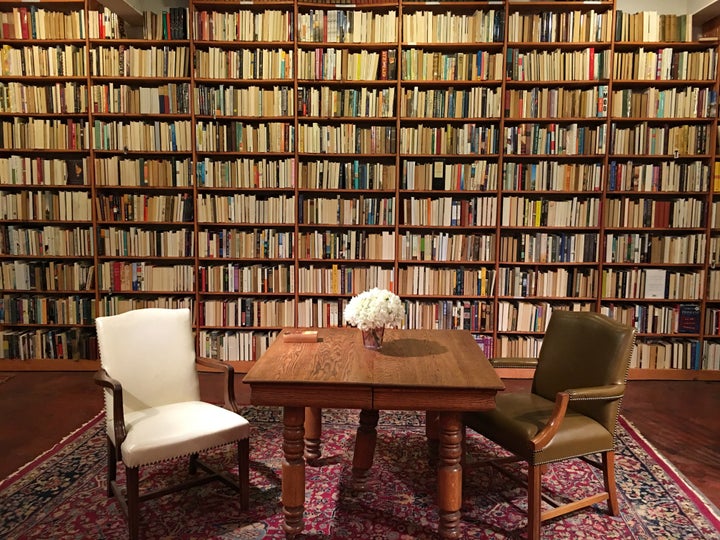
{"x": 705, "y": 505}
{"x": 11, "y": 478}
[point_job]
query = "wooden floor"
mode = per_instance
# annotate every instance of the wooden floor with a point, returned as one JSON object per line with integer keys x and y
{"x": 680, "y": 418}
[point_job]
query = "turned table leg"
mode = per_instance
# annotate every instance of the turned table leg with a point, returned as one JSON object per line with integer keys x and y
{"x": 450, "y": 474}
{"x": 364, "y": 448}
{"x": 293, "y": 470}
{"x": 313, "y": 434}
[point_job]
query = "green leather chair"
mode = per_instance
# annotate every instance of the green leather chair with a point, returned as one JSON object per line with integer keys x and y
{"x": 571, "y": 410}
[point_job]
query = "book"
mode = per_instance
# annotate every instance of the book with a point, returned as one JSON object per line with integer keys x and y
{"x": 74, "y": 172}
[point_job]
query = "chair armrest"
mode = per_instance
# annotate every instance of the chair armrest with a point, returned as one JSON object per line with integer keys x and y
{"x": 102, "y": 378}
{"x": 546, "y": 434}
{"x": 229, "y": 376}
{"x": 529, "y": 363}
{"x": 608, "y": 392}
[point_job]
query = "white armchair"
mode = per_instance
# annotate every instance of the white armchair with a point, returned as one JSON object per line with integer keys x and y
{"x": 153, "y": 407}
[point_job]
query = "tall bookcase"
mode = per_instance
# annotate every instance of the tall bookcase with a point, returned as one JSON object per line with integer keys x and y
{"x": 263, "y": 162}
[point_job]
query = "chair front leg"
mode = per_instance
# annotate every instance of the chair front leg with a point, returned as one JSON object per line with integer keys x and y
{"x": 111, "y": 466}
{"x": 608, "y": 467}
{"x": 193, "y": 463}
{"x": 133, "y": 501}
{"x": 243, "y": 455}
{"x": 534, "y": 499}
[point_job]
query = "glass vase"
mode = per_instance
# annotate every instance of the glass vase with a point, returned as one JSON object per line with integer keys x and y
{"x": 373, "y": 338}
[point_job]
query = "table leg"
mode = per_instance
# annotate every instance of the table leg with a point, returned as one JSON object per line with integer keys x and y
{"x": 432, "y": 433}
{"x": 450, "y": 474}
{"x": 364, "y": 448}
{"x": 293, "y": 470}
{"x": 313, "y": 434}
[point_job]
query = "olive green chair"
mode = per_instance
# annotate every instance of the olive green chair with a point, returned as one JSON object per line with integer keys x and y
{"x": 571, "y": 410}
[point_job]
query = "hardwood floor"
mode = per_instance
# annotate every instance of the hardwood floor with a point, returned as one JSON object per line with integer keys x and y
{"x": 680, "y": 418}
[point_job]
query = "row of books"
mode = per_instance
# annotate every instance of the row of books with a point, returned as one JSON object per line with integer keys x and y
{"x": 344, "y": 138}
{"x": 542, "y": 212}
{"x": 356, "y": 211}
{"x": 114, "y": 304}
{"x": 131, "y": 61}
{"x": 138, "y": 136}
{"x": 46, "y": 206}
{"x": 666, "y": 64}
{"x": 243, "y": 25}
{"x": 689, "y": 102}
{"x": 676, "y": 354}
{"x": 38, "y": 171}
{"x": 652, "y": 26}
{"x": 138, "y": 242}
{"x": 46, "y": 276}
{"x": 120, "y": 276}
{"x": 450, "y": 139}
{"x": 449, "y": 212}
{"x": 245, "y": 208}
{"x": 555, "y": 139}
{"x": 363, "y": 102}
{"x": 241, "y": 278}
{"x": 38, "y": 23}
{"x": 238, "y": 136}
{"x": 143, "y": 208}
{"x": 477, "y": 102}
{"x": 47, "y": 241}
{"x": 247, "y": 312}
{"x": 38, "y": 61}
{"x": 58, "y": 98}
{"x": 665, "y": 176}
{"x": 638, "y": 248}
{"x": 481, "y": 26}
{"x": 254, "y": 244}
{"x": 171, "y": 98}
{"x": 244, "y": 64}
{"x": 321, "y": 312}
{"x": 521, "y": 282}
{"x": 226, "y": 100}
{"x": 713, "y": 286}
{"x": 479, "y": 175}
{"x": 655, "y": 318}
{"x": 18, "y": 309}
{"x": 447, "y": 247}
{"x": 347, "y": 26}
{"x": 556, "y": 102}
{"x": 330, "y": 64}
{"x": 44, "y": 133}
{"x": 234, "y": 346}
{"x": 355, "y": 174}
{"x": 640, "y": 213}
{"x": 171, "y": 23}
{"x": 422, "y": 280}
{"x": 552, "y": 176}
{"x": 143, "y": 172}
{"x": 473, "y": 315}
{"x": 346, "y": 245}
{"x": 339, "y": 279}
{"x": 642, "y": 138}
{"x": 650, "y": 283}
{"x": 567, "y": 27}
{"x": 543, "y": 247}
{"x": 246, "y": 173}
{"x": 420, "y": 65}
{"x": 557, "y": 65}
{"x": 70, "y": 344}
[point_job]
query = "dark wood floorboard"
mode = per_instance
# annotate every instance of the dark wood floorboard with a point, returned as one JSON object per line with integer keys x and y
{"x": 680, "y": 418}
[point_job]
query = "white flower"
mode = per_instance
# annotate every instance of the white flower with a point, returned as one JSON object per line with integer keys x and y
{"x": 375, "y": 308}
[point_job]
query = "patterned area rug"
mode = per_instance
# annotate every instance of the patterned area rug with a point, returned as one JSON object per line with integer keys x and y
{"x": 62, "y": 493}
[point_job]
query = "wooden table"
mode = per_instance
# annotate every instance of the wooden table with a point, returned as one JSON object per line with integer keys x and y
{"x": 432, "y": 370}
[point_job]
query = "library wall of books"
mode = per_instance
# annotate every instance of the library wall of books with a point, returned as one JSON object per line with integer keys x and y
{"x": 262, "y": 162}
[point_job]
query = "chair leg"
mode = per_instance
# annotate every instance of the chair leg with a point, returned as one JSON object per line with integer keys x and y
{"x": 608, "y": 465}
{"x": 133, "y": 501}
{"x": 243, "y": 453}
{"x": 534, "y": 499}
{"x": 111, "y": 466}
{"x": 193, "y": 463}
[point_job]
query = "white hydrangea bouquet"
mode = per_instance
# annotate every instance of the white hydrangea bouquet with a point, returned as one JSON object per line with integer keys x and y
{"x": 373, "y": 309}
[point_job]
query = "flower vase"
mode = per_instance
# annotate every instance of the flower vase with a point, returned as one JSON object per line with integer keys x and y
{"x": 373, "y": 338}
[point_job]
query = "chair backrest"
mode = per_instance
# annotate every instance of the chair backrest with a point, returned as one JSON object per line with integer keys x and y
{"x": 151, "y": 352}
{"x": 583, "y": 349}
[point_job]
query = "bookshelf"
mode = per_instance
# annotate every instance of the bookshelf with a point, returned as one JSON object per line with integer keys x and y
{"x": 263, "y": 162}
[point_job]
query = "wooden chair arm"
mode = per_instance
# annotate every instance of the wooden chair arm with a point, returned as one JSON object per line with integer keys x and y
{"x": 103, "y": 378}
{"x": 229, "y": 375}
{"x": 546, "y": 434}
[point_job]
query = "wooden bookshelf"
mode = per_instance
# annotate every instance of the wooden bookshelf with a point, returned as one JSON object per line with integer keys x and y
{"x": 263, "y": 162}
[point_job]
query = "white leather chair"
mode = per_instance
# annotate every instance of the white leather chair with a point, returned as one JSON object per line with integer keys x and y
{"x": 153, "y": 407}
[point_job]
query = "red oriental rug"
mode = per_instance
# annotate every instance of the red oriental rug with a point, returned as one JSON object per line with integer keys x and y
{"x": 61, "y": 494}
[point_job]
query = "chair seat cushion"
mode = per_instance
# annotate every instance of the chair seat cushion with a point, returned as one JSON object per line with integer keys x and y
{"x": 178, "y": 429}
{"x": 519, "y": 416}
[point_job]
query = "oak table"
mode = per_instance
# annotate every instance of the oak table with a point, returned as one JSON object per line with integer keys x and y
{"x": 443, "y": 371}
